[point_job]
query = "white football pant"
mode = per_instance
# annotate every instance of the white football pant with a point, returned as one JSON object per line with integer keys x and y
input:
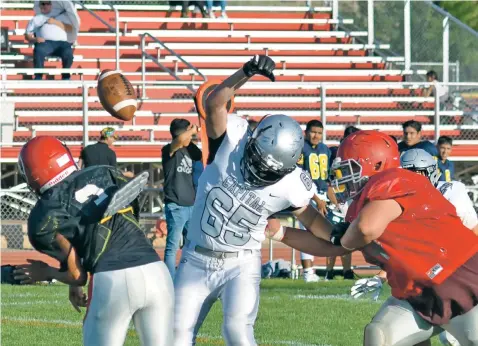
{"x": 397, "y": 324}
{"x": 143, "y": 293}
{"x": 201, "y": 280}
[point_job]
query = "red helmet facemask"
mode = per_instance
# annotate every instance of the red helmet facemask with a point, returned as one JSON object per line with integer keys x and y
{"x": 361, "y": 155}
{"x": 44, "y": 161}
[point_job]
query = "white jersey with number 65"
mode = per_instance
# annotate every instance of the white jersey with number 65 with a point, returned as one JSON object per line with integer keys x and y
{"x": 228, "y": 215}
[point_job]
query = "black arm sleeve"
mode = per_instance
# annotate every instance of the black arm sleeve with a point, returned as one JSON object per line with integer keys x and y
{"x": 194, "y": 152}
{"x": 214, "y": 145}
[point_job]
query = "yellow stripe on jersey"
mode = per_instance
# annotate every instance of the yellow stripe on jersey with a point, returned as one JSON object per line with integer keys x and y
{"x": 107, "y": 239}
{"x": 122, "y": 211}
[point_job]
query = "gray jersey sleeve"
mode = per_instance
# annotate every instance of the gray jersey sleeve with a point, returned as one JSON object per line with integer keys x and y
{"x": 300, "y": 188}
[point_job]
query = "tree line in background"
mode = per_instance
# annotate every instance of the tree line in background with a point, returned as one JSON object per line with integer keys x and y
{"x": 466, "y": 11}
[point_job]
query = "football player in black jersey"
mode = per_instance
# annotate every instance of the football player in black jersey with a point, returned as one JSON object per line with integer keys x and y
{"x": 87, "y": 220}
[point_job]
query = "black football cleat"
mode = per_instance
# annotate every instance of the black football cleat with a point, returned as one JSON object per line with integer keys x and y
{"x": 349, "y": 275}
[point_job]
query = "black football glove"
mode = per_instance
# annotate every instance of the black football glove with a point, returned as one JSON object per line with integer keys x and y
{"x": 7, "y": 275}
{"x": 338, "y": 232}
{"x": 260, "y": 64}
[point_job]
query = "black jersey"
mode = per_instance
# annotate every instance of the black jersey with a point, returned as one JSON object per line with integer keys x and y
{"x": 74, "y": 208}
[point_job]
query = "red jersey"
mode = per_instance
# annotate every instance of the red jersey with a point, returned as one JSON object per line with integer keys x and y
{"x": 426, "y": 243}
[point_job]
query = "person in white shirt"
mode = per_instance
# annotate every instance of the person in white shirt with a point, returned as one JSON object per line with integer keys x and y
{"x": 421, "y": 162}
{"x": 50, "y": 37}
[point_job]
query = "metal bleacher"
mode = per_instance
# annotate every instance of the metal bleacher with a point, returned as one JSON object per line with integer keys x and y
{"x": 322, "y": 72}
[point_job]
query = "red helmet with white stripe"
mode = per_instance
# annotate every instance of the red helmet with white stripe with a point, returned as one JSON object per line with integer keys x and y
{"x": 44, "y": 161}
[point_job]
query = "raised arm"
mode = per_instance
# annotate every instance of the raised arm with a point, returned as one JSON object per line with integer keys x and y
{"x": 183, "y": 140}
{"x": 216, "y": 119}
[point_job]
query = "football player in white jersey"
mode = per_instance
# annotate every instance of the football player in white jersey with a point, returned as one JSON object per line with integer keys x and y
{"x": 249, "y": 177}
{"x": 421, "y": 162}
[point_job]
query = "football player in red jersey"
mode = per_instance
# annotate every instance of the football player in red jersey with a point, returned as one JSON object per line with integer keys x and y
{"x": 402, "y": 223}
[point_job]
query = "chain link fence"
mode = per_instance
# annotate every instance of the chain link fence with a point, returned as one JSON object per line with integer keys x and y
{"x": 426, "y": 36}
{"x": 15, "y": 208}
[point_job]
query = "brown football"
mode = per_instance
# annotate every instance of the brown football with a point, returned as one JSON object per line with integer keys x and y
{"x": 117, "y": 95}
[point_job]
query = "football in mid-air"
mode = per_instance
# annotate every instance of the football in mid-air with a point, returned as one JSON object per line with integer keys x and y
{"x": 117, "y": 95}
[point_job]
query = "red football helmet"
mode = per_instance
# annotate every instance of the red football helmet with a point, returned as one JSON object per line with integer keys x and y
{"x": 44, "y": 161}
{"x": 361, "y": 155}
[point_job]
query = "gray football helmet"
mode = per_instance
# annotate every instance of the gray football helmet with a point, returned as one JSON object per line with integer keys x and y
{"x": 272, "y": 151}
{"x": 420, "y": 161}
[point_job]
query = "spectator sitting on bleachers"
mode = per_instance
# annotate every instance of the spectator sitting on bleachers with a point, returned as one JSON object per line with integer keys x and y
{"x": 50, "y": 38}
{"x": 222, "y": 3}
{"x": 199, "y": 4}
{"x": 432, "y": 90}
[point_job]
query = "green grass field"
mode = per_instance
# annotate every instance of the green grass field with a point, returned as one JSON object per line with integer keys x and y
{"x": 291, "y": 313}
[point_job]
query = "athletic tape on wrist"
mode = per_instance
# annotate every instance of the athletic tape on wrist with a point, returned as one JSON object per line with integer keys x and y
{"x": 279, "y": 235}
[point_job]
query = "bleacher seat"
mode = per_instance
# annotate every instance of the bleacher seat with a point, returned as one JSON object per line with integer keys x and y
{"x": 309, "y": 48}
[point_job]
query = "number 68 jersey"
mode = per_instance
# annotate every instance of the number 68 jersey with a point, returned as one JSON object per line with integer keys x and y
{"x": 228, "y": 215}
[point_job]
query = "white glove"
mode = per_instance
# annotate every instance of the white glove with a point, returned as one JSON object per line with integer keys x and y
{"x": 364, "y": 286}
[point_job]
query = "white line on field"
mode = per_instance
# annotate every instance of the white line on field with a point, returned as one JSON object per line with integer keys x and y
{"x": 36, "y": 302}
{"x": 24, "y": 295}
{"x": 332, "y": 297}
{"x": 200, "y": 335}
{"x": 322, "y": 296}
{"x": 41, "y": 320}
{"x": 312, "y": 296}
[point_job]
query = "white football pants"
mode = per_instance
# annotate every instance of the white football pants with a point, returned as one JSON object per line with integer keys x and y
{"x": 143, "y": 293}
{"x": 397, "y": 324}
{"x": 201, "y": 280}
